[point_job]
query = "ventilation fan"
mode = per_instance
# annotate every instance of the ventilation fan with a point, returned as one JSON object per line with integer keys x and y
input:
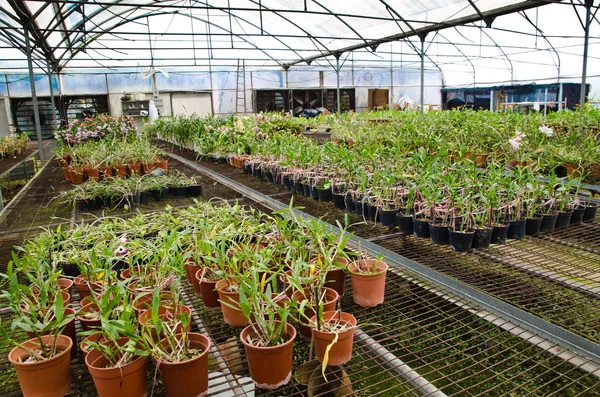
{"x": 306, "y": 99}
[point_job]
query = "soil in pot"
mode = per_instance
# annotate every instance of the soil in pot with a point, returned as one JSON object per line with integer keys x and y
{"x": 590, "y": 212}
{"x": 482, "y": 237}
{"x": 368, "y": 290}
{"x": 461, "y": 241}
{"x": 51, "y": 377}
{"x": 517, "y": 229}
{"x": 233, "y": 317}
{"x": 178, "y": 192}
{"x": 270, "y": 367}
{"x": 325, "y": 195}
{"x": 208, "y": 293}
{"x": 421, "y": 228}
{"x": 533, "y": 226}
{"x": 338, "y": 201}
{"x": 387, "y": 217}
{"x": 349, "y": 203}
{"x": 127, "y": 380}
{"x": 563, "y": 220}
{"x": 187, "y": 378}
{"x": 341, "y": 351}
{"x": 548, "y": 222}
{"x": 577, "y": 216}
{"x": 331, "y": 298}
{"x": 194, "y": 191}
{"x": 439, "y": 233}
{"x": 405, "y": 223}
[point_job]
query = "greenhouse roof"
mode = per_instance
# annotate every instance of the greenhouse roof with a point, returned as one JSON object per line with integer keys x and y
{"x": 80, "y": 35}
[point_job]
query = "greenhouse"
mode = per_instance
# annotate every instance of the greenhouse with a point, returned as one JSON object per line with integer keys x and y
{"x": 299, "y": 198}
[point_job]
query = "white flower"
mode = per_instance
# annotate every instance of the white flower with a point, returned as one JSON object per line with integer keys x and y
{"x": 519, "y": 134}
{"x": 124, "y": 239}
{"x": 515, "y": 143}
{"x": 120, "y": 251}
{"x": 548, "y": 131}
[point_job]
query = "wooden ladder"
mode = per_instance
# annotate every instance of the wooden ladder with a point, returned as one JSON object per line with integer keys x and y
{"x": 240, "y": 88}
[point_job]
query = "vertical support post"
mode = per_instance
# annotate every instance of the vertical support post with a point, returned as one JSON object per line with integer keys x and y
{"x": 36, "y": 110}
{"x": 422, "y": 73}
{"x": 337, "y": 73}
{"x": 492, "y": 101}
{"x": 52, "y": 97}
{"x": 560, "y": 98}
{"x": 588, "y": 12}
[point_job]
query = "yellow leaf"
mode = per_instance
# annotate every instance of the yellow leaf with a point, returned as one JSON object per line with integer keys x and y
{"x": 100, "y": 275}
{"x": 312, "y": 269}
{"x": 326, "y": 356}
{"x": 262, "y": 283}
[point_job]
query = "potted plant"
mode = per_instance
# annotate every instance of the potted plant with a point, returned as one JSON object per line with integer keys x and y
{"x": 333, "y": 337}
{"x": 368, "y": 281}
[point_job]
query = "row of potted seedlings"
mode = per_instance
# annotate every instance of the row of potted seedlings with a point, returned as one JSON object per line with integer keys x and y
{"x": 13, "y": 145}
{"x": 271, "y": 276}
{"x": 132, "y": 191}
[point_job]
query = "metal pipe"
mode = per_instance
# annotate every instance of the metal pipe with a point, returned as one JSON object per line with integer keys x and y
{"x": 422, "y": 73}
{"x": 36, "y": 110}
{"x": 52, "y": 97}
{"x": 337, "y": 72}
{"x": 588, "y": 12}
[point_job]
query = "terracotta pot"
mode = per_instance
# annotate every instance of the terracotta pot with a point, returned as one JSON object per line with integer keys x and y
{"x": 86, "y": 300}
{"x": 331, "y": 298}
{"x": 190, "y": 273}
{"x": 164, "y": 164}
{"x": 76, "y": 176}
{"x": 61, "y": 162}
{"x": 336, "y": 278}
{"x": 68, "y": 331}
{"x": 82, "y": 286}
{"x": 65, "y": 284}
{"x": 233, "y": 317}
{"x": 50, "y": 377}
{"x": 67, "y": 173}
{"x": 187, "y": 378}
{"x": 341, "y": 351}
{"x": 83, "y": 345}
{"x": 573, "y": 170}
{"x": 148, "y": 167}
{"x": 481, "y": 160}
{"x": 164, "y": 313}
{"x": 126, "y": 273}
{"x": 86, "y": 323}
{"x": 368, "y": 289}
{"x": 92, "y": 173}
{"x": 135, "y": 169}
{"x": 270, "y": 367}
{"x": 144, "y": 302}
{"x": 120, "y": 170}
{"x": 128, "y": 380}
{"x": 106, "y": 171}
{"x": 595, "y": 172}
{"x": 208, "y": 292}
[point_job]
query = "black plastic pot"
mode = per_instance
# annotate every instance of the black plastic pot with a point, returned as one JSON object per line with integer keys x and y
{"x": 338, "y": 201}
{"x": 314, "y": 193}
{"x": 194, "y": 191}
{"x": 306, "y": 188}
{"x": 548, "y": 222}
{"x": 590, "y": 212}
{"x": 372, "y": 214}
{"x": 533, "y": 226}
{"x": 135, "y": 199}
{"x": 350, "y": 203}
{"x": 70, "y": 270}
{"x": 439, "y": 233}
{"x": 421, "y": 228}
{"x": 577, "y": 216}
{"x": 269, "y": 176}
{"x": 499, "y": 234}
{"x": 178, "y": 192}
{"x": 143, "y": 198}
{"x": 298, "y": 187}
{"x": 461, "y": 241}
{"x": 517, "y": 229}
{"x": 563, "y": 220}
{"x": 161, "y": 194}
{"x": 359, "y": 208}
{"x": 482, "y": 238}
{"x": 247, "y": 169}
{"x": 106, "y": 202}
{"x": 258, "y": 172}
{"x": 287, "y": 183}
{"x": 82, "y": 205}
{"x": 325, "y": 194}
{"x": 387, "y": 217}
{"x": 405, "y": 223}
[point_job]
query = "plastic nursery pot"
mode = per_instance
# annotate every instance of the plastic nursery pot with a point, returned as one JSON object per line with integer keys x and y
{"x": 331, "y": 298}
{"x": 208, "y": 292}
{"x": 517, "y": 229}
{"x": 187, "y": 378}
{"x": 349, "y": 203}
{"x": 461, "y": 241}
{"x": 135, "y": 169}
{"x": 314, "y": 193}
{"x": 88, "y": 323}
{"x": 160, "y": 194}
{"x": 76, "y": 176}
{"x": 306, "y": 190}
{"x": 287, "y": 182}
{"x": 548, "y": 222}
{"x": 269, "y": 176}
{"x": 194, "y": 191}
{"x": 233, "y": 317}
{"x": 163, "y": 164}
{"x": 298, "y": 187}
{"x": 341, "y": 351}
{"x": 590, "y": 212}
{"x": 51, "y": 377}
{"x": 368, "y": 290}
{"x": 82, "y": 286}
{"x": 190, "y": 274}
{"x": 372, "y": 213}
{"x": 359, "y": 207}
{"x": 405, "y": 223}
{"x": 164, "y": 313}
{"x": 324, "y": 195}
{"x": 482, "y": 237}
{"x": 387, "y": 217}
{"x": 335, "y": 278}
{"x": 68, "y": 331}
{"x": 148, "y": 167}
{"x": 92, "y": 173}
{"x": 127, "y": 380}
{"x": 439, "y": 233}
{"x": 421, "y": 228}
{"x": 533, "y": 226}
{"x": 67, "y": 174}
{"x": 577, "y": 216}
{"x": 83, "y": 345}
{"x": 106, "y": 172}
{"x": 143, "y": 198}
{"x": 338, "y": 201}
{"x": 144, "y": 302}
{"x": 563, "y": 220}
{"x": 178, "y": 192}
{"x": 120, "y": 170}
{"x": 270, "y": 367}
{"x": 65, "y": 284}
